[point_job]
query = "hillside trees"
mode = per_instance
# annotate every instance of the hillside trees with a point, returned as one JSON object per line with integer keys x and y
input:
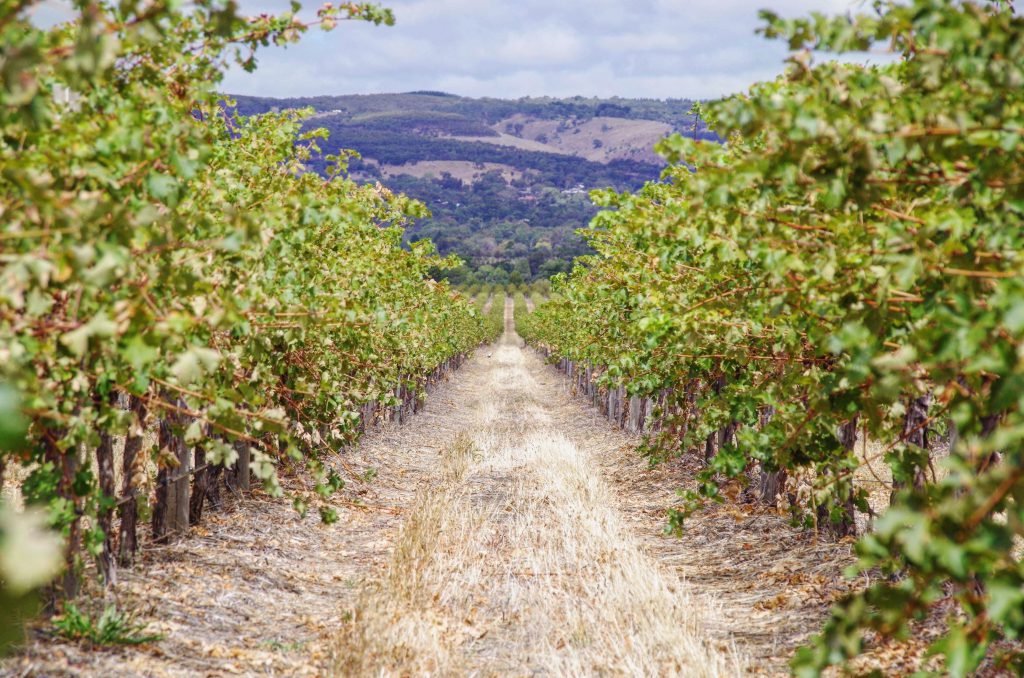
{"x": 847, "y": 267}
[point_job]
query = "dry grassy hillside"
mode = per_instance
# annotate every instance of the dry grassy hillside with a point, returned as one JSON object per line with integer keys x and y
{"x": 516, "y": 142}
{"x": 599, "y": 139}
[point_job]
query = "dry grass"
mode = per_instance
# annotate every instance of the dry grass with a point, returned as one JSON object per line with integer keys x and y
{"x": 620, "y": 138}
{"x": 395, "y": 621}
{"x": 514, "y": 561}
{"x": 514, "y": 142}
{"x": 771, "y": 585}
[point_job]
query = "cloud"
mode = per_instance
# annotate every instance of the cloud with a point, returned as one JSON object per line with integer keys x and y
{"x": 541, "y": 46}
{"x": 513, "y": 48}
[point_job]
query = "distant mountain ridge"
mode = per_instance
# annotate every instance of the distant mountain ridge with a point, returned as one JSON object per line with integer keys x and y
{"x": 505, "y": 179}
{"x": 489, "y": 111}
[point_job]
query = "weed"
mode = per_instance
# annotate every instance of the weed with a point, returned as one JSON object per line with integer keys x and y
{"x": 280, "y": 646}
{"x": 112, "y": 627}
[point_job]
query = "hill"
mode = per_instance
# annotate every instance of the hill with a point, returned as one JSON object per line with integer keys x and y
{"x": 506, "y": 180}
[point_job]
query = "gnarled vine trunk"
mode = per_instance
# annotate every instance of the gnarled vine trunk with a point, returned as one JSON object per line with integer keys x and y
{"x": 105, "y": 517}
{"x": 846, "y": 524}
{"x": 915, "y": 432}
{"x": 131, "y": 471}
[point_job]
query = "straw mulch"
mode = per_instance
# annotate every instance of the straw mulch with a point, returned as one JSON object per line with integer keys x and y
{"x": 516, "y": 559}
{"x": 257, "y": 590}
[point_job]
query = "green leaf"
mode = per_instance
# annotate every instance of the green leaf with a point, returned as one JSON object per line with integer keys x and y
{"x": 30, "y": 553}
{"x": 77, "y": 340}
{"x": 962, "y": 654}
{"x": 163, "y": 187}
{"x": 13, "y": 424}
{"x": 138, "y": 353}
{"x": 194, "y": 432}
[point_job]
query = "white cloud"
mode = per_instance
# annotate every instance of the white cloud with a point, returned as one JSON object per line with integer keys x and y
{"x": 541, "y": 45}
{"x": 512, "y": 48}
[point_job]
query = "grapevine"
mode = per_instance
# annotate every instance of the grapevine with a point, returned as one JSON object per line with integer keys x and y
{"x": 166, "y": 265}
{"x": 847, "y": 267}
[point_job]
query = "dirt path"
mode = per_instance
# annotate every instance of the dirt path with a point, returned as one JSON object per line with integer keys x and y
{"x": 515, "y": 560}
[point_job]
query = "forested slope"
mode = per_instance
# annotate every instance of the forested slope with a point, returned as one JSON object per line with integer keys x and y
{"x": 506, "y": 181}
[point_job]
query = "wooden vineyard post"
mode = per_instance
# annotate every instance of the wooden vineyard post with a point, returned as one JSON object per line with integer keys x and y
{"x": 396, "y": 409}
{"x": 200, "y": 486}
{"x": 237, "y": 477}
{"x": 181, "y": 488}
{"x": 71, "y": 464}
{"x": 170, "y": 514}
{"x": 400, "y": 407}
{"x": 646, "y": 420}
{"x": 620, "y": 406}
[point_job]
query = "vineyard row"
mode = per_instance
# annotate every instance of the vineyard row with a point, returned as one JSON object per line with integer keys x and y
{"x": 848, "y": 267}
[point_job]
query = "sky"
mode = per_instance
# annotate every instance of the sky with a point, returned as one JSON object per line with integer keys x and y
{"x": 688, "y": 49}
{"x": 514, "y": 48}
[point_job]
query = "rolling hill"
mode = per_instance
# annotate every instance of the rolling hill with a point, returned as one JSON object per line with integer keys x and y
{"x": 506, "y": 180}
